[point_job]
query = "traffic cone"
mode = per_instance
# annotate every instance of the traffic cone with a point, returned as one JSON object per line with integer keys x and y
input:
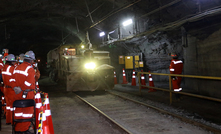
{"x": 115, "y": 78}
{"x": 46, "y": 130}
{"x": 44, "y": 122}
{"x": 48, "y": 114}
{"x": 143, "y": 81}
{"x": 38, "y": 105}
{"x": 151, "y": 84}
{"x": 124, "y": 78}
{"x": 133, "y": 83}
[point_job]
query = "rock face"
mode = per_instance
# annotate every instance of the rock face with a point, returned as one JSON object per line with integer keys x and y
{"x": 197, "y": 44}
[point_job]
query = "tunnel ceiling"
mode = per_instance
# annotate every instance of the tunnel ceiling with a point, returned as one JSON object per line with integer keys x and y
{"x": 38, "y": 24}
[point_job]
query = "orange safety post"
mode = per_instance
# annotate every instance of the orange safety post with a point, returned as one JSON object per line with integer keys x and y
{"x": 38, "y": 105}
{"x": 37, "y": 86}
{"x": 115, "y": 78}
{"x": 40, "y": 118}
{"x": 143, "y": 82}
{"x": 151, "y": 84}
{"x": 44, "y": 122}
{"x": 133, "y": 83}
{"x": 124, "y": 77}
{"x": 48, "y": 114}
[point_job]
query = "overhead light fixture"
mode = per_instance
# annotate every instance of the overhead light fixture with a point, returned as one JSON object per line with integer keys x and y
{"x": 127, "y": 22}
{"x": 102, "y": 34}
{"x": 111, "y": 32}
{"x": 82, "y": 46}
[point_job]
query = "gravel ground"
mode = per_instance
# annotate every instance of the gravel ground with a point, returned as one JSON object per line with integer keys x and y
{"x": 191, "y": 108}
{"x": 140, "y": 119}
{"x": 71, "y": 116}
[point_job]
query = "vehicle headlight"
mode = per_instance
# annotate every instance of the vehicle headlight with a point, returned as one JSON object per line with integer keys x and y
{"x": 90, "y": 65}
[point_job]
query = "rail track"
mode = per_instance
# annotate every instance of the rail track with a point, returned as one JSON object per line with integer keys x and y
{"x": 139, "y": 118}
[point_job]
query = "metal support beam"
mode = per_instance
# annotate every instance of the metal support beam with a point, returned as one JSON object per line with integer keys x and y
{"x": 89, "y": 12}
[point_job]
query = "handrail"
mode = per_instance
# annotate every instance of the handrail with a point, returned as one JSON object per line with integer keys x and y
{"x": 170, "y": 85}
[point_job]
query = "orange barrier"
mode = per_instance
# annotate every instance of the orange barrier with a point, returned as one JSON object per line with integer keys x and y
{"x": 151, "y": 84}
{"x": 124, "y": 77}
{"x": 133, "y": 83}
{"x": 45, "y": 125}
{"x": 48, "y": 114}
{"x": 143, "y": 82}
{"x": 115, "y": 78}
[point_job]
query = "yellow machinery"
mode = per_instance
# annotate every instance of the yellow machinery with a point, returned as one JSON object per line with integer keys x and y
{"x": 82, "y": 69}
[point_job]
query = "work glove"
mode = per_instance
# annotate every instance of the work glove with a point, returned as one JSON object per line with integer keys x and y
{"x": 17, "y": 90}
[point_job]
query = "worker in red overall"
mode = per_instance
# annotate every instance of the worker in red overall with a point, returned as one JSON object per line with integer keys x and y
{"x": 9, "y": 93}
{"x": 19, "y": 60}
{"x": 2, "y": 97}
{"x": 1, "y": 66}
{"x": 37, "y": 75}
{"x": 24, "y": 85}
{"x": 176, "y": 67}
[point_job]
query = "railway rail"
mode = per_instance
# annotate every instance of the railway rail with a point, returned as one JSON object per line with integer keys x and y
{"x": 139, "y": 118}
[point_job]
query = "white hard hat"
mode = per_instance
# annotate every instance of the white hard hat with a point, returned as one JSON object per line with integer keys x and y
{"x": 21, "y": 57}
{"x": 29, "y": 55}
{"x": 10, "y": 57}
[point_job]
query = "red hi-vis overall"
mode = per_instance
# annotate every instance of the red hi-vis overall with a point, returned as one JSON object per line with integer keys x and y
{"x": 1, "y": 66}
{"x": 176, "y": 67}
{"x": 9, "y": 93}
{"x": 1, "y": 87}
{"x": 24, "y": 76}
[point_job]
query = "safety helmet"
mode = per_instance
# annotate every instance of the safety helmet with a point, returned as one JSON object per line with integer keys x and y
{"x": 21, "y": 58}
{"x": 10, "y": 57}
{"x": 29, "y": 55}
{"x": 174, "y": 55}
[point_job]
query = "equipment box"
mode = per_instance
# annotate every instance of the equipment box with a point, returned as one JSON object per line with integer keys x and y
{"x": 140, "y": 63}
{"x": 128, "y": 62}
{"x": 121, "y": 59}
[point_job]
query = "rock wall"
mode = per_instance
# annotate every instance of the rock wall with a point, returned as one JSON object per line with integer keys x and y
{"x": 203, "y": 57}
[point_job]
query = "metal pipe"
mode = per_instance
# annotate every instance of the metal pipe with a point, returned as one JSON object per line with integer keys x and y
{"x": 138, "y": 74}
{"x": 94, "y": 10}
{"x": 114, "y": 13}
{"x": 170, "y": 90}
{"x": 189, "y": 76}
{"x": 184, "y": 93}
{"x": 175, "y": 24}
{"x": 158, "y": 9}
{"x": 89, "y": 12}
{"x": 77, "y": 24}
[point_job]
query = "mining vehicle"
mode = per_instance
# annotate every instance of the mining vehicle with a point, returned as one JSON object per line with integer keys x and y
{"x": 81, "y": 69}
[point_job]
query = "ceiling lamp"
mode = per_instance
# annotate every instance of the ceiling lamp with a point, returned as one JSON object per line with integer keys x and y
{"x": 127, "y": 22}
{"x": 102, "y": 34}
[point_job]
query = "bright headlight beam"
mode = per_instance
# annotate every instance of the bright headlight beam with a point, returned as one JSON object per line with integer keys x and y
{"x": 128, "y": 22}
{"x": 90, "y": 65}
